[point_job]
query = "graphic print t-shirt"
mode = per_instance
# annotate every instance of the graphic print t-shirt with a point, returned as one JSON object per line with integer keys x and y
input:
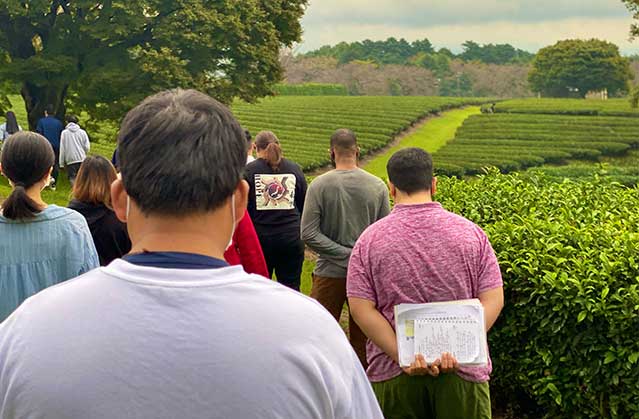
{"x": 276, "y": 199}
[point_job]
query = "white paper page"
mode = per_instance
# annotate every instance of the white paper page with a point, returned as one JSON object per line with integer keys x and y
{"x": 457, "y": 335}
{"x": 405, "y": 326}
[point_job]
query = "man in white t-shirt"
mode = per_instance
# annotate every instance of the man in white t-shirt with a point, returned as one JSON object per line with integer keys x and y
{"x": 172, "y": 331}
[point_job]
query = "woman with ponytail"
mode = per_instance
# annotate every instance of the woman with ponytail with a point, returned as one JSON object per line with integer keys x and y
{"x": 41, "y": 245}
{"x": 276, "y": 201}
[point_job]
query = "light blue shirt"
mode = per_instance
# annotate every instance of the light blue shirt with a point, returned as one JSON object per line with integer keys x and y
{"x": 51, "y": 248}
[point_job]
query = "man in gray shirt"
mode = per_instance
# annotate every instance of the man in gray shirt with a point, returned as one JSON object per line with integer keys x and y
{"x": 339, "y": 206}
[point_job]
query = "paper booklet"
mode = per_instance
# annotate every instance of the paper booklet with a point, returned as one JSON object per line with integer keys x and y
{"x": 431, "y": 329}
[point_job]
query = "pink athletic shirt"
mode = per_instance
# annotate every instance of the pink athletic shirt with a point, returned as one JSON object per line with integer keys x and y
{"x": 420, "y": 254}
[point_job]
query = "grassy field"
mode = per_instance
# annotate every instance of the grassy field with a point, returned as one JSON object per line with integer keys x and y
{"x": 433, "y": 135}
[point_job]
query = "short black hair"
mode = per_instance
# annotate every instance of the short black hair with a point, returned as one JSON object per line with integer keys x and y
{"x": 72, "y": 119}
{"x": 411, "y": 170}
{"x": 344, "y": 140}
{"x": 180, "y": 152}
{"x": 49, "y": 109}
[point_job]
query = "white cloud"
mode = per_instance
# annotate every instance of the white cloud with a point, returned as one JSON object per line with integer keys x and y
{"x": 526, "y": 35}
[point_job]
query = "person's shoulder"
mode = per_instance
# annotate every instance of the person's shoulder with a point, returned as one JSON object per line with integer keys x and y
{"x": 291, "y": 165}
{"x": 461, "y": 223}
{"x": 40, "y": 306}
{"x": 68, "y": 217}
{"x": 369, "y": 177}
{"x": 379, "y": 230}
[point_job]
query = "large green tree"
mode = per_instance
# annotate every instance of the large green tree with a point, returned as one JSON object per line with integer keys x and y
{"x": 104, "y": 56}
{"x": 576, "y": 67}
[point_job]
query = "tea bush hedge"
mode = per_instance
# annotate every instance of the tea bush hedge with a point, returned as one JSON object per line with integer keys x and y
{"x": 501, "y": 139}
{"x": 569, "y": 252}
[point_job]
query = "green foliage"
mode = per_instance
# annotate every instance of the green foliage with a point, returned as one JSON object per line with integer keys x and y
{"x": 305, "y": 124}
{"x": 634, "y": 98}
{"x": 390, "y": 51}
{"x": 495, "y": 54}
{"x": 633, "y": 6}
{"x": 310, "y": 89}
{"x": 437, "y": 62}
{"x": 108, "y": 55}
{"x": 628, "y": 176}
{"x": 517, "y": 141}
{"x": 569, "y": 257}
{"x": 393, "y": 51}
{"x": 572, "y": 68}
{"x": 458, "y": 84}
{"x": 611, "y": 107}
{"x": 431, "y": 136}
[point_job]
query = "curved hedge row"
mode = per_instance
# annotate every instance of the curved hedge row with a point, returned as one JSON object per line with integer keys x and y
{"x": 305, "y": 124}
{"x": 620, "y": 107}
{"x": 508, "y": 141}
{"x": 566, "y": 342}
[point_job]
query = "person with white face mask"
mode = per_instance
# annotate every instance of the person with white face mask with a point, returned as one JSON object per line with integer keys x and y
{"x": 171, "y": 330}
{"x": 40, "y": 244}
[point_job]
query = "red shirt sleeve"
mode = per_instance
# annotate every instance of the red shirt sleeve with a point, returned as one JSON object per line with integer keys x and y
{"x": 247, "y": 246}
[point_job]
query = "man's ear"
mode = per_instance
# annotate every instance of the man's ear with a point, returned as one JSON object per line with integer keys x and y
{"x": 392, "y": 189}
{"x": 433, "y": 187}
{"x": 119, "y": 199}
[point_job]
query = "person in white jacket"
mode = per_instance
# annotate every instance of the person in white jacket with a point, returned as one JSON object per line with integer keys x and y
{"x": 74, "y": 146}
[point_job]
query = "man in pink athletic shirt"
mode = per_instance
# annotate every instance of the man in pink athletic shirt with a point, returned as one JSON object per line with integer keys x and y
{"x": 421, "y": 253}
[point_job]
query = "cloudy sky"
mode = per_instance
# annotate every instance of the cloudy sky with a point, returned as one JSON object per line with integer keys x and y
{"x": 526, "y": 24}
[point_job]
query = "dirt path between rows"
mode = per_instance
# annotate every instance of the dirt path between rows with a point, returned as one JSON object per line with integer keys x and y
{"x": 394, "y": 142}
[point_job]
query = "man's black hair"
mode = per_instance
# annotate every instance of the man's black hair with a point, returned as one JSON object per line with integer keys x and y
{"x": 411, "y": 170}
{"x": 72, "y": 119}
{"x": 50, "y": 110}
{"x": 180, "y": 152}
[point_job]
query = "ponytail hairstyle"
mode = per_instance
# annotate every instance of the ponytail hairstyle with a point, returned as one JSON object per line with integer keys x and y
{"x": 12, "y": 123}
{"x": 27, "y": 158}
{"x": 267, "y": 142}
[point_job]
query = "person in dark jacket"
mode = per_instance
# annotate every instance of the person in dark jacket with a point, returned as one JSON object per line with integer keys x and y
{"x": 51, "y": 128}
{"x": 277, "y": 189}
{"x": 92, "y": 199}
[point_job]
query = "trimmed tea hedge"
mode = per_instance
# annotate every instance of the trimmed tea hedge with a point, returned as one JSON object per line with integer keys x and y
{"x": 501, "y": 139}
{"x": 620, "y": 107}
{"x": 566, "y": 343}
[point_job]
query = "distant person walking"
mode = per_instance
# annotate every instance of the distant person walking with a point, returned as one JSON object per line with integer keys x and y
{"x": 339, "y": 206}
{"x": 277, "y": 189}
{"x": 41, "y": 245}
{"x": 250, "y": 145}
{"x": 92, "y": 198}
{"x": 9, "y": 127}
{"x": 74, "y": 146}
{"x": 51, "y": 128}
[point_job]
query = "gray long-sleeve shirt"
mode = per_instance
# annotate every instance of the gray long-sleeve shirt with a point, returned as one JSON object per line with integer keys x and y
{"x": 339, "y": 206}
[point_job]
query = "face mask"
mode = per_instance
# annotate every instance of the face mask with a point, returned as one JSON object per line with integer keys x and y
{"x": 47, "y": 183}
{"x": 233, "y": 217}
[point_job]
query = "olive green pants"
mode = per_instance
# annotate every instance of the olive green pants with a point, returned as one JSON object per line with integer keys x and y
{"x": 444, "y": 397}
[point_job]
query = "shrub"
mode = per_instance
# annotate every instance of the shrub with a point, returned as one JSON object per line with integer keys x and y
{"x": 569, "y": 254}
